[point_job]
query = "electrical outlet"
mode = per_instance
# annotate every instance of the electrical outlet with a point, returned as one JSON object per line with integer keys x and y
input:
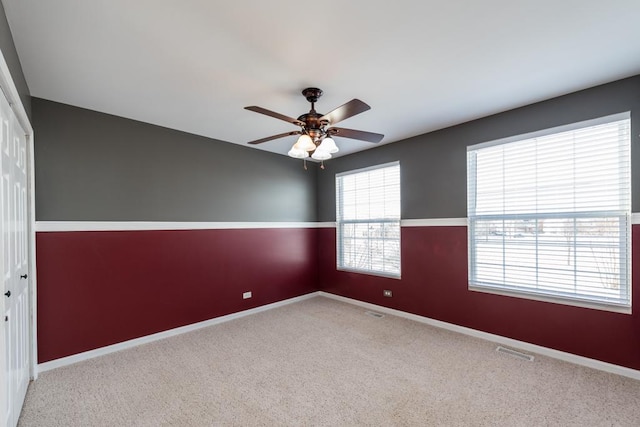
{"x": 246, "y": 295}
{"x": 387, "y": 293}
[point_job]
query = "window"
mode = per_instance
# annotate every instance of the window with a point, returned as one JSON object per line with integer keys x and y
{"x": 549, "y": 214}
{"x": 368, "y": 220}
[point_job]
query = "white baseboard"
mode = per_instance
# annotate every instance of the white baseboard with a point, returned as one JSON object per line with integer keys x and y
{"x": 545, "y": 351}
{"x": 69, "y": 360}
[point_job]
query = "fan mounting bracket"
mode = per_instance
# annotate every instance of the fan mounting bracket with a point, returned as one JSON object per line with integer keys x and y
{"x": 312, "y": 94}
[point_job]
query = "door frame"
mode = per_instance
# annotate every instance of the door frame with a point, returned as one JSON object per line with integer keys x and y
{"x": 8, "y": 86}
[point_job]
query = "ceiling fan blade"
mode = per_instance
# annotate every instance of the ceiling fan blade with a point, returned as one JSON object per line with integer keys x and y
{"x": 274, "y": 114}
{"x": 350, "y": 109}
{"x": 269, "y": 138}
{"x": 356, "y": 134}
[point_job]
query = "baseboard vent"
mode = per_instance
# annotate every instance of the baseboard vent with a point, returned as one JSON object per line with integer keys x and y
{"x": 514, "y": 353}
{"x": 374, "y": 314}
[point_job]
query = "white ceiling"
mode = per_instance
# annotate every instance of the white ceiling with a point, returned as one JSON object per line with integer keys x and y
{"x": 193, "y": 65}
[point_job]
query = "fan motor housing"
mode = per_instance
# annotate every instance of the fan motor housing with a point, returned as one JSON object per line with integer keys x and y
{"x": 312, "y": 120}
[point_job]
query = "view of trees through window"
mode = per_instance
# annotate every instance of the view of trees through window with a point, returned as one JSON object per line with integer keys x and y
{"x": 373, "y": 246}
{"x": 570, "y": 255}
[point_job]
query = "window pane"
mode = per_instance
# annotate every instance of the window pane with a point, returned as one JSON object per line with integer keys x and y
{"x": 368, "y": 217}
{"x": 550, "y": 214}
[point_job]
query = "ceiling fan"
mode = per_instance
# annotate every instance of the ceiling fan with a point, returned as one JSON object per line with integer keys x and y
{"x": 315, "y": 139}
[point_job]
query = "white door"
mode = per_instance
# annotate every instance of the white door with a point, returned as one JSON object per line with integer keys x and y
{"x": 14, "y": 266}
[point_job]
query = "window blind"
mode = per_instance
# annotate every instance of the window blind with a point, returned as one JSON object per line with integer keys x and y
{"x": 368, "y": 220}
{"x": 550, "y": 214}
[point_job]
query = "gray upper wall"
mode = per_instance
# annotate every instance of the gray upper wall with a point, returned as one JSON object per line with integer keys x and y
{"x": 92, "y": 166}
{"x": 13, "y": 62}
{"x": 433, "y": 166}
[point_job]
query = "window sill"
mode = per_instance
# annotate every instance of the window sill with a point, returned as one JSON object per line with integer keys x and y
{"x": 370, "y": 273}
{"x": 556, "y": 300}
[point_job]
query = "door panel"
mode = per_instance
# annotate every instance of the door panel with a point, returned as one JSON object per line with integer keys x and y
{"x": 6, "y": 197}
{"x": 21, "y": 350}
{"x": 15, "y": 280}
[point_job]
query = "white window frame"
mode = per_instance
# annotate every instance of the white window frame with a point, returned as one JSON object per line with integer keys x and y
{"x": 341, "y": 223}
{"x": 624, "y": 218}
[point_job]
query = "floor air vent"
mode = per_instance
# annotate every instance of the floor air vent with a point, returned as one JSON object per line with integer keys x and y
{"x": 374, "y": 314}
{"x": 514, "y": 353}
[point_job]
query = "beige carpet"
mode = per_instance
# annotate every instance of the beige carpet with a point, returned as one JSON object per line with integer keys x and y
{"x": 323, "y": 362}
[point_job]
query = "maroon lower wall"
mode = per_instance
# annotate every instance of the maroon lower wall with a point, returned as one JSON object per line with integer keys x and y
{"x": 100, "y": 288}
{"x": 434, "y": 285}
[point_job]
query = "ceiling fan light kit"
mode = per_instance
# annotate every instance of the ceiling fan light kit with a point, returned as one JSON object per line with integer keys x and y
{"x": 328, "y": 145}
{"x": 298, "y": 153}
{"x": 315, "y": 138}
{"x": 304, "y": 143}
{"x": 320, "y": 155}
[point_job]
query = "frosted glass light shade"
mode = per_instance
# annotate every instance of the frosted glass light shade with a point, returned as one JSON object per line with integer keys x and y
{"x": 297, "y": 153}
{"x": 305, "y": 143}
{"x": 321, "y": 155}
{"x": 328, "y": 145}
